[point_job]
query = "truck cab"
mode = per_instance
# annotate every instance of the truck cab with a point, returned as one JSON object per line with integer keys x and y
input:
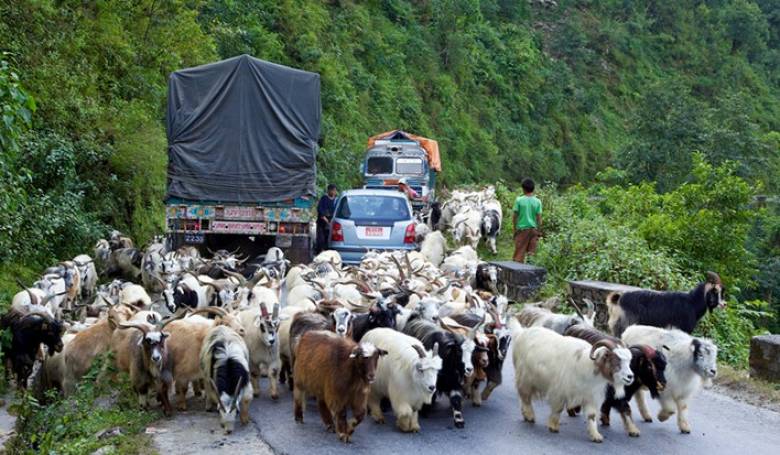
{"x": 399, "y": 156}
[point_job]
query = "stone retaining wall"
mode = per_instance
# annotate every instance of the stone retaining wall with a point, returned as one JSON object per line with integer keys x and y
{"x": 765, "y": 357}
{"x": 522, "y": 281}
{"x": 596, "y": 292}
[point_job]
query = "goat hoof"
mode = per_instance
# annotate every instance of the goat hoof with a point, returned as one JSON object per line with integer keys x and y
{"x": 476, "y": 404}
{"x": 597, "y": 439}
{"x": 554, "y": 429}
{"x": 633, "y": 434}
{"x": 460, "y": 424}
{"x": 685, "y": 430}
{"x": 664, "y": 416}
{"x": 275, "y": 396}
{"x": 648, "y": 419}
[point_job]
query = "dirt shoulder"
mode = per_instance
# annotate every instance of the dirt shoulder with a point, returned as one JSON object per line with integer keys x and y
{"x": 739, "y": 385}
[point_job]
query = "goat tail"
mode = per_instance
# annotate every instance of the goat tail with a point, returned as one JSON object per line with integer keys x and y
{"x": 613, "y": 298}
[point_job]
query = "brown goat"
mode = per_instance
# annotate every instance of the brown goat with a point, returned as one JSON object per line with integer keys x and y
{"x": 79, "y": 353}
{"x": 184, "y": 346}
{"x": 338, "y": 372}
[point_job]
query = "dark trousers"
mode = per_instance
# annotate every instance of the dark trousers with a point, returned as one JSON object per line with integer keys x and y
{"x": 323, "y": 231}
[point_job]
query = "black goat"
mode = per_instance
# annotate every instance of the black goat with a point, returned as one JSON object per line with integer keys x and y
{"x": 453, "y": 372}
{"x": 380, "y": 314}
{"x": 663, "y": 309}
{"x": 27, "y": 334}
{"x": 648, "y": 366}
{"x": 435, "y": 215}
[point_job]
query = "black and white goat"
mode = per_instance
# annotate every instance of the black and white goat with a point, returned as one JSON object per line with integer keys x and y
{"x": 224, "y": 363}
{"x": 490, "y": 227}
{"x": 682, "y": 310}
{"x": 455, "y": 352}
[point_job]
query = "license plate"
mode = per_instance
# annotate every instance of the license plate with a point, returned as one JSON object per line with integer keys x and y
{"x": 283, "y": 241}
{"x": 375, "y": 231}
{"x": 194, "y": 238}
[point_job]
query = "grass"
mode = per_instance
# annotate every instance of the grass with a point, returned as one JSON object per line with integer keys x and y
{"x": 738, "y": 384}
{"x": 103, "y": 412}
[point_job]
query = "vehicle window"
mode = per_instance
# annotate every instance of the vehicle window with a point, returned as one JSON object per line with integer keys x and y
{"x": 408, "y": 166}
{"x": 380, "y": 165}
{"x": 380, "y": 208}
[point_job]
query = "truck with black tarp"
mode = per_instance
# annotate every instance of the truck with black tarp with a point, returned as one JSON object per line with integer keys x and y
{"x": 242, "y": 147}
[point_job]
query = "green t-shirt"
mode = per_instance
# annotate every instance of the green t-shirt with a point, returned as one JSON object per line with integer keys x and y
{"x": 527, "y": 207}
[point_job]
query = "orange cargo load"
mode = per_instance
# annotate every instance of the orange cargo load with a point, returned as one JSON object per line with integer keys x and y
{"x": 430, "y": 146}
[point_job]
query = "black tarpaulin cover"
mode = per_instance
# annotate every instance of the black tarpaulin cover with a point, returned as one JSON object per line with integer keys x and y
{"x": 242, "y": 130}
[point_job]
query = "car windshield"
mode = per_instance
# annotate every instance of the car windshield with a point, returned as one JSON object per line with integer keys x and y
{"x": 380, "y": 208}
{"x": 380, "y": 165}
{"x": 409, "y": 166}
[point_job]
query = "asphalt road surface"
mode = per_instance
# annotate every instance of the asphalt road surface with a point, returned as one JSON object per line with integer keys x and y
{"x": 720, "y": 425}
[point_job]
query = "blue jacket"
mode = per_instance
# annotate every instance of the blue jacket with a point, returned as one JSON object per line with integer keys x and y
{"x": 325, "y": 208}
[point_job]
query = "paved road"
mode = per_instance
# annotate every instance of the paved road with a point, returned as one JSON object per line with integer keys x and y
{"x": 720, "y": 424}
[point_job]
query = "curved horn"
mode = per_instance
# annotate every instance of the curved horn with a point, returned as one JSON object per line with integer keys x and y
{"x": 400, "y": 269}
{"x": 211, "y": 310}
{"x": 238, "y": 276}
{"x": 131, "y": 325}
{"x": 601, "y": 344}
{"x": 275, "y": 311}
{"x": 648, "y": 351}
{"x": 180, "y": 313}
{"x": 420, "y": 351}
{"x": 713, "y": 278}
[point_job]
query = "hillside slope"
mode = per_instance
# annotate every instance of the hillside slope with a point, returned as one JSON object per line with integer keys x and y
{"x": 509, "y": 88}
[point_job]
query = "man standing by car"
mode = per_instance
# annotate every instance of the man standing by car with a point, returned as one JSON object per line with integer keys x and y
{"x": 527, "y": 221}
{"x": 325, "y": 209}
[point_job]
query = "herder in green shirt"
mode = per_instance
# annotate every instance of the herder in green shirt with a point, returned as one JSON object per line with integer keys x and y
{"x": 527, "y": 221}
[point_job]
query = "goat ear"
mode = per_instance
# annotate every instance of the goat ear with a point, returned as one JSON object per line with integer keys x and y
{"x": 165, "y": 335}
{"x": 665, "y": 347}
{"x": 381, "y": 352}
{"x": 355, "y": 352}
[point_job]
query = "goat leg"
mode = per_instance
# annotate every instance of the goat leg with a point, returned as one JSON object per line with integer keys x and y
{"x": 488, "y": 390}
{"x": 341, "y": 426}
{"x": 628, "y": 421}
{"x": 456, "y": 403}
{"x": 299, "y": 400}
{"x": 593, "y": 429}
{"x": 682, "y": 417}
{"x": 325, "y": 415}
{"x": 639, "y": 396}
{"x": 273, "y": 381}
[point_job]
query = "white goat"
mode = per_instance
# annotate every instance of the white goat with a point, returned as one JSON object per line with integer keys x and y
{"x": 261, "y": 337}
{"x": 568, "y": 372}
{"x": 434, "y": 248}
{"x": 691, "y": 362}
{"x": 406, "y": 375}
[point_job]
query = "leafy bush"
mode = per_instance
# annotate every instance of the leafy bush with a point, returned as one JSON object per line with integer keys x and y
{"x": 82, "y": 423}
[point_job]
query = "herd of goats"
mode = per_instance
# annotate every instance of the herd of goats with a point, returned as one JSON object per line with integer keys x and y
{"x": 398, "y": 327}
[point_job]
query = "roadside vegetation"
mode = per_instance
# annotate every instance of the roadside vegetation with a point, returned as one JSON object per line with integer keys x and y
{"x": 103, "y": 412}
{"x": 653, "y": 126}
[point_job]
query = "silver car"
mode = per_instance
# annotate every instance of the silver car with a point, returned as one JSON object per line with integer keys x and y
{"x": 371, "y": 220}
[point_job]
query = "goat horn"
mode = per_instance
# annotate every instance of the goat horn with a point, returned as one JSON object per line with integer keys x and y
{"x": 235, "y": 275}
{"x": 180, "y": 313}
{"x": 211, "y": 310}
{"x": 408, "y": 263}
{"x": 275, "y": 312}
{"x": 601, "y": 344}
{"x": 130, "y": 325}
{"x": 420, "y": 351}
{"x": 400, "y": 269}
{"x": 576, "y": 308}
{"x": 713, "y": 278}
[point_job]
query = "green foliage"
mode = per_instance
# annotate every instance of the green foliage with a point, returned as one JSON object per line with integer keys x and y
{"x": 732, "y": 329}
{"x": 74, "y": 425}
{"x": 703, "y": 223}
{"x": 16, "y": 107}
{"x": 580, "y": 242}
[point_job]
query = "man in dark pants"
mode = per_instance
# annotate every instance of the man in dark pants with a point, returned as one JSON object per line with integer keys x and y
{"x": 325, "y": 209}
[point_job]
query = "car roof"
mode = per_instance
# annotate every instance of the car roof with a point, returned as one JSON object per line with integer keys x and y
{"x": 377, "y": 192}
